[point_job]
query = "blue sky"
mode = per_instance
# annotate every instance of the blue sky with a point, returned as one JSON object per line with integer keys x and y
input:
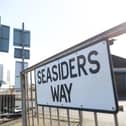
{"x": 58, "y": 24}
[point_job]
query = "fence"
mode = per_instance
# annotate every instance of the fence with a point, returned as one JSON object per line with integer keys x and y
{"x": 10, "y": 106}
{"x": 46, "y": 116}
{"x": 35, "y": 115}
{"x": 7, "y": 103}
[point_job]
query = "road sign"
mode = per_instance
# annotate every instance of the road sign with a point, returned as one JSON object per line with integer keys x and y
{"x": 80, "y": 80}
{"x": 21, "y": 38}
{"x": 18, "y": 69}
{"x": 4, "y": 38}
{"x": 19, "y": 53}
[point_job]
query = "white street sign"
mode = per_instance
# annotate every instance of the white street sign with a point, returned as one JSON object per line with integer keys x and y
{"x": 80, "y": 80}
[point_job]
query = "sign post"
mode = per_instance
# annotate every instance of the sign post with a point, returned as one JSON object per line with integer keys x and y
{"x": 22, "y": 39}
{"x": 82, "y": 80}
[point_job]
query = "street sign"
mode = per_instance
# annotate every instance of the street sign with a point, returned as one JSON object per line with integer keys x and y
{"x": 20, "y": 53}
{"x": 80, "y": 80}
{"x": 4, "y": 38}
{"x": 18, "y": 69}
{"x": 21, "y": 38}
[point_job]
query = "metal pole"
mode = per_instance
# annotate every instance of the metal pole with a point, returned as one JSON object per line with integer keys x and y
{"x": 58, "y": 117}
{"x": 43, "y": 115}
{"x": 50, "y": 114}
{"x": 116, "y": 120}
{"x": 27, "y": 98}
{"x": 36, "y": 104}
{"x": 24, "y": 113}
{"x": 31, "y": 98}
{"x": 24, "y": 116}
{"x": 81, "y": 117}
{"x": 68, "y": 117}
{"x": 95, "y": 119}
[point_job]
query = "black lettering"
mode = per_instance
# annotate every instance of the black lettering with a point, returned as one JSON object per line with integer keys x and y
{"x": 39, "y": 77}
{"x": 68, "y": 91}
{"x": 55, "y": 93}
{"x": 55, "y": 77}
{"x": 95, "y": 62}
{"x": 64, "y": 70}
{"x": 62, "y": 94}
{"x": 43, "y": 76}
{"x": 81, "y": 61}
{"x": 49, "y": 75}
{"x": 59, "y": 71}
{"x": 72, "y": 67}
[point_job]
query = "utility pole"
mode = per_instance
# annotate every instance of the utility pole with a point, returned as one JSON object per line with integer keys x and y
{"x": 24, "y": 113}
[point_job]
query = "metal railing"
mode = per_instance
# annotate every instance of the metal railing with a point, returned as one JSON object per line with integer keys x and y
{"x": 46, "y": 116}
{"x": 10, "y": 106}
{"x": 35, "y": 115}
